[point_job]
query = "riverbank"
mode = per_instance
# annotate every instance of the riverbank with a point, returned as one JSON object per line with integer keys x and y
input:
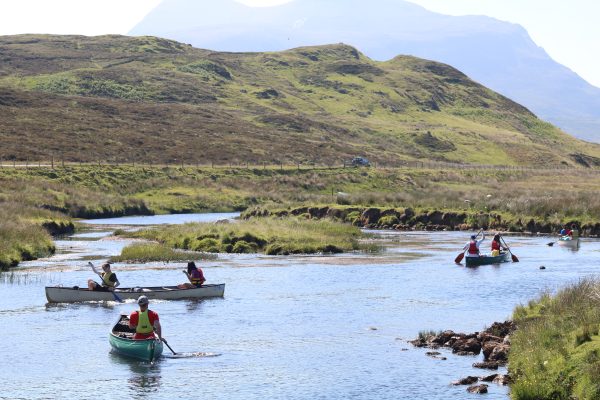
{"x": 269, "y": 236}
{"x": 555, "y": 352}
{"x": 400, "y": 198}
{"x": 426, "y": 219}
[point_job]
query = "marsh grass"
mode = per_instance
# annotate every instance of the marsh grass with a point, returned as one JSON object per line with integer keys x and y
{"x": 20, "y": 278}
{"x": 268, "y": 235}
{"x": 555, "y": 353}
{"x": 31, "y": 198}
{"x": 151, "y": 252}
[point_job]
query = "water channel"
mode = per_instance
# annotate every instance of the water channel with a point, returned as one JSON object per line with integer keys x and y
{"x": 297, "y": 327}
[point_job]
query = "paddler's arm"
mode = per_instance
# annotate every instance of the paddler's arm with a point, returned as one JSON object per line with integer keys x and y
{"x": 158, "y": 329}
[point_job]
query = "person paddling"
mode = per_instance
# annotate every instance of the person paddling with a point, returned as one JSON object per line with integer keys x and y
{"x": 145, "y": 322}
{"x": 109, "y": 279}
{"x": 574, "y": 232}
{"x": 497, "y": 246}
{"x": 472, "y": 246}
{"x": 195, "y": 275}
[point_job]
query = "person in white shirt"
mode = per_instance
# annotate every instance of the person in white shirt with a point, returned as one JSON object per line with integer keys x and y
{"x": 472, "y": 246}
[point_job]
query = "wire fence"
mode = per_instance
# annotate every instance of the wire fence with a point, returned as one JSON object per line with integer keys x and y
{"x": 401, "y": 164}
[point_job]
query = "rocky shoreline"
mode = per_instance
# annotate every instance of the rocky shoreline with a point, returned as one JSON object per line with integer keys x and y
{"x": 407, "y": 219}
{"x": 494, "y": 343}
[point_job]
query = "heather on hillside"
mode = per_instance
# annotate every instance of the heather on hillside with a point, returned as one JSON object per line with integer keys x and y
{"x": 167, "y": 102}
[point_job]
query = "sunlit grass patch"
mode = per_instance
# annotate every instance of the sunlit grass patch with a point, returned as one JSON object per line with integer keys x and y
{"x": 269, "y": 236}
{"x": 555, "y": 352}
{"x": 150, "y": 252}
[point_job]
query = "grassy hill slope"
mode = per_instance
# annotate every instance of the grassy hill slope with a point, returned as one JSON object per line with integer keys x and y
{"x": 145, "y": 99}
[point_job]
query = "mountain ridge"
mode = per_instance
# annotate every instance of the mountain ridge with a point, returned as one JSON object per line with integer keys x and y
{"x": 118, "y": 98}
{"x": 498, "y": 54}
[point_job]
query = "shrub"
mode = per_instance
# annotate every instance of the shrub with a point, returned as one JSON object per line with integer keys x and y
{"x": 242, "y": 246}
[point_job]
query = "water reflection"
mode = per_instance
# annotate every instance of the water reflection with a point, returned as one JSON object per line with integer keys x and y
{"x": 107, "y": 305}
{"x": 194, "y": 305}
{"x": 145, "y": 377}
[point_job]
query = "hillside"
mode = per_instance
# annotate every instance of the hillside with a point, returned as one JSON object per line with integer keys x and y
{"x": 145, "y": 99}
{"x": 500, "y": 55}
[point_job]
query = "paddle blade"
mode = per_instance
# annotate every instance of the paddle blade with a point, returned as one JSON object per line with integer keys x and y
{"x": 459, "y": 258}
{"x": 514, "y": 258}
{"x": 117, "y": 298}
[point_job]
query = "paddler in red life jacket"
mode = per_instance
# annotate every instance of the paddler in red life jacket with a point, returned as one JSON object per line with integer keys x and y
{"x": 472, "y": 246}
{"x": 145, "y": 322}
{"x": 497, "y": 247}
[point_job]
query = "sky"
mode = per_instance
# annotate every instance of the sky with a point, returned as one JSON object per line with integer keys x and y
{"x": 567, "y": 30}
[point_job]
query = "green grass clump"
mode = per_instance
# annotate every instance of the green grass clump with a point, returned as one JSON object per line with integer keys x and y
{"x": 21, "y": 240}
{"x": 265, "y": 235}
{"x": 555, "y": 353}
{"x": 150, "y": 252}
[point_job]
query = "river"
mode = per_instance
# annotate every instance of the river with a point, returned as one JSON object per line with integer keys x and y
{"x": 297, "y": 327}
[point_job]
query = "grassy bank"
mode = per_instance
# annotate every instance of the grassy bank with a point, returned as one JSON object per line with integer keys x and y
{"x": 24, "y": 239}
{"x": 269, "y": 236}
{"x": 43, "y": 195}
{"x": 99, "y": 191}
{"x": 555, "y": 353}
{"x": 151, "y": 252}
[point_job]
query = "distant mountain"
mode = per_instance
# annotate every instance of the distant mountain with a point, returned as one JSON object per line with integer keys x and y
{"x": 500, "y": 55}
{"x": 147, "y": 99}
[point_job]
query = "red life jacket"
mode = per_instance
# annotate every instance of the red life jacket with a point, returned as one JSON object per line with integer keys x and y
{"x": 495, "y": 245}
{"x": 473, "y": 249}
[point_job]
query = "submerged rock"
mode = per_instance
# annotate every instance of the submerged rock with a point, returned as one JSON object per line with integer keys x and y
{"x": 481, "y": 389}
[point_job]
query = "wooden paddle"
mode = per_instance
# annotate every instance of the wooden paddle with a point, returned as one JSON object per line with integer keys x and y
{"x": 165, "y": 342}
{"x": 460, "y": 257}
{"x": 117, "y": 298}
{"x": 514, "y": 258}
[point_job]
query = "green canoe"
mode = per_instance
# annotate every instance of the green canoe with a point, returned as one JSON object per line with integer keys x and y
{"x": 121, "y": 341}
{"x": 486, "y": 260}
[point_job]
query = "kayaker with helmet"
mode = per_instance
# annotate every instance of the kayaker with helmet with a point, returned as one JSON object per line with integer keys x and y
{"x": 145, "y": 321}
{"x": 472, "y": 246}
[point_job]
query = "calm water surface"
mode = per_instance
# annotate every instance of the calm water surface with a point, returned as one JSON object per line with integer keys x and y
{"x": 303, "y": 327}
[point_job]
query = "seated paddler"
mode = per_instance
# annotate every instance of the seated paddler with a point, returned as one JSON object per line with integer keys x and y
{"x": 145, "y": 322}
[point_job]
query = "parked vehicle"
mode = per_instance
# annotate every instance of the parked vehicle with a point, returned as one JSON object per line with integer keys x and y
{"x": 360, "y": 162}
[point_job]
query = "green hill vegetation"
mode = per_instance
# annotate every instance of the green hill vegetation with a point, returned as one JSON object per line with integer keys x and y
{"x": 146, "y": 99}
{"x": 555, "y": 352}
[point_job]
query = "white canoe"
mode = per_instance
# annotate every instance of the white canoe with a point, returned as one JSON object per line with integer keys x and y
{"x": 568, "y": 241}
{"x": 58, "y": 294}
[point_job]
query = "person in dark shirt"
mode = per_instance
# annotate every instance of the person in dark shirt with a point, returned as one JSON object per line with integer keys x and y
{"x": 109, "y": 279}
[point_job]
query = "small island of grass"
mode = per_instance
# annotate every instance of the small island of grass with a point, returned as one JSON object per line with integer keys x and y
{"x": 266, "y": 235}
{"x": 152, "y": 252}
